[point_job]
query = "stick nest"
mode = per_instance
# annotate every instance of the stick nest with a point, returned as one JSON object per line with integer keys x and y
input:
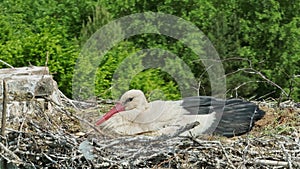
{"x": 63, "y": 138}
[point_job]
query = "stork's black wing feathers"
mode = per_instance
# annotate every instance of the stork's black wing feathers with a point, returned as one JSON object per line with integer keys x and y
{"x": 202, "y": 104}
{"x": 237, "y": 116}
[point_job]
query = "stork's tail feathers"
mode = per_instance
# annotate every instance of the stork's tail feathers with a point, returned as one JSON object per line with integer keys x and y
{"x": 234, "y": 116}
{"x": 238, "y": 117}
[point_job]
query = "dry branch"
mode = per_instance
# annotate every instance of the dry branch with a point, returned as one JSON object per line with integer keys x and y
{"x": 5, "y": 63}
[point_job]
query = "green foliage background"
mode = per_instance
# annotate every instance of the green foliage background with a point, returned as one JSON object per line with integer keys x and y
{"x": 258, "y": 42}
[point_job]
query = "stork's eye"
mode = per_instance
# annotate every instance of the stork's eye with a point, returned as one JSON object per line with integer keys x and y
{"x": 129, "y": 99}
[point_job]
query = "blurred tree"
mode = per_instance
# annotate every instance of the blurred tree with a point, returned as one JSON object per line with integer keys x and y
{"x": 258, "y": 42}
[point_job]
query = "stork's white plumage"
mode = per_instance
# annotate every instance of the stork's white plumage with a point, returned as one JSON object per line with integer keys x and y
{"x": 133, "y": 115}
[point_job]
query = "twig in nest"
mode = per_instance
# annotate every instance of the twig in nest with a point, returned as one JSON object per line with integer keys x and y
{"x": 69, "y": 100}
{"x": 47, "y": 58}
{"x": 163, "y": 162}
{"x": 185, "y": 128}
{"x": 288, "y": 159}
{"x": 21, "y": 128}
{"x": 271, "y": 162}
{"x": 6, "y": 64}
{"x": 247, "y": 138}
{"x": 226, "y": 155}
{"x": 49, "y": 158}
{"x": 12, "y": 154}
{"x": 220, "y": 145}
{"x": 61, "y": 109}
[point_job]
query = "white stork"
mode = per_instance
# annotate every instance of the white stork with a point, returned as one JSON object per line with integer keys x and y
{"x": 133, "y": 115}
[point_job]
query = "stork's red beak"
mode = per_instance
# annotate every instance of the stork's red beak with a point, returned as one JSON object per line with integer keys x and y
{"x": 116, "y": 109}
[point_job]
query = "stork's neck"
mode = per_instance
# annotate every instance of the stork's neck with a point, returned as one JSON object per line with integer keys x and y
{"x": 131, "y": 115}
{"x": 143, "y": 105}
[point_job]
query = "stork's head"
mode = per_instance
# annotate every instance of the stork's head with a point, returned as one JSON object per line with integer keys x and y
{"x": 134, "y": 100}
